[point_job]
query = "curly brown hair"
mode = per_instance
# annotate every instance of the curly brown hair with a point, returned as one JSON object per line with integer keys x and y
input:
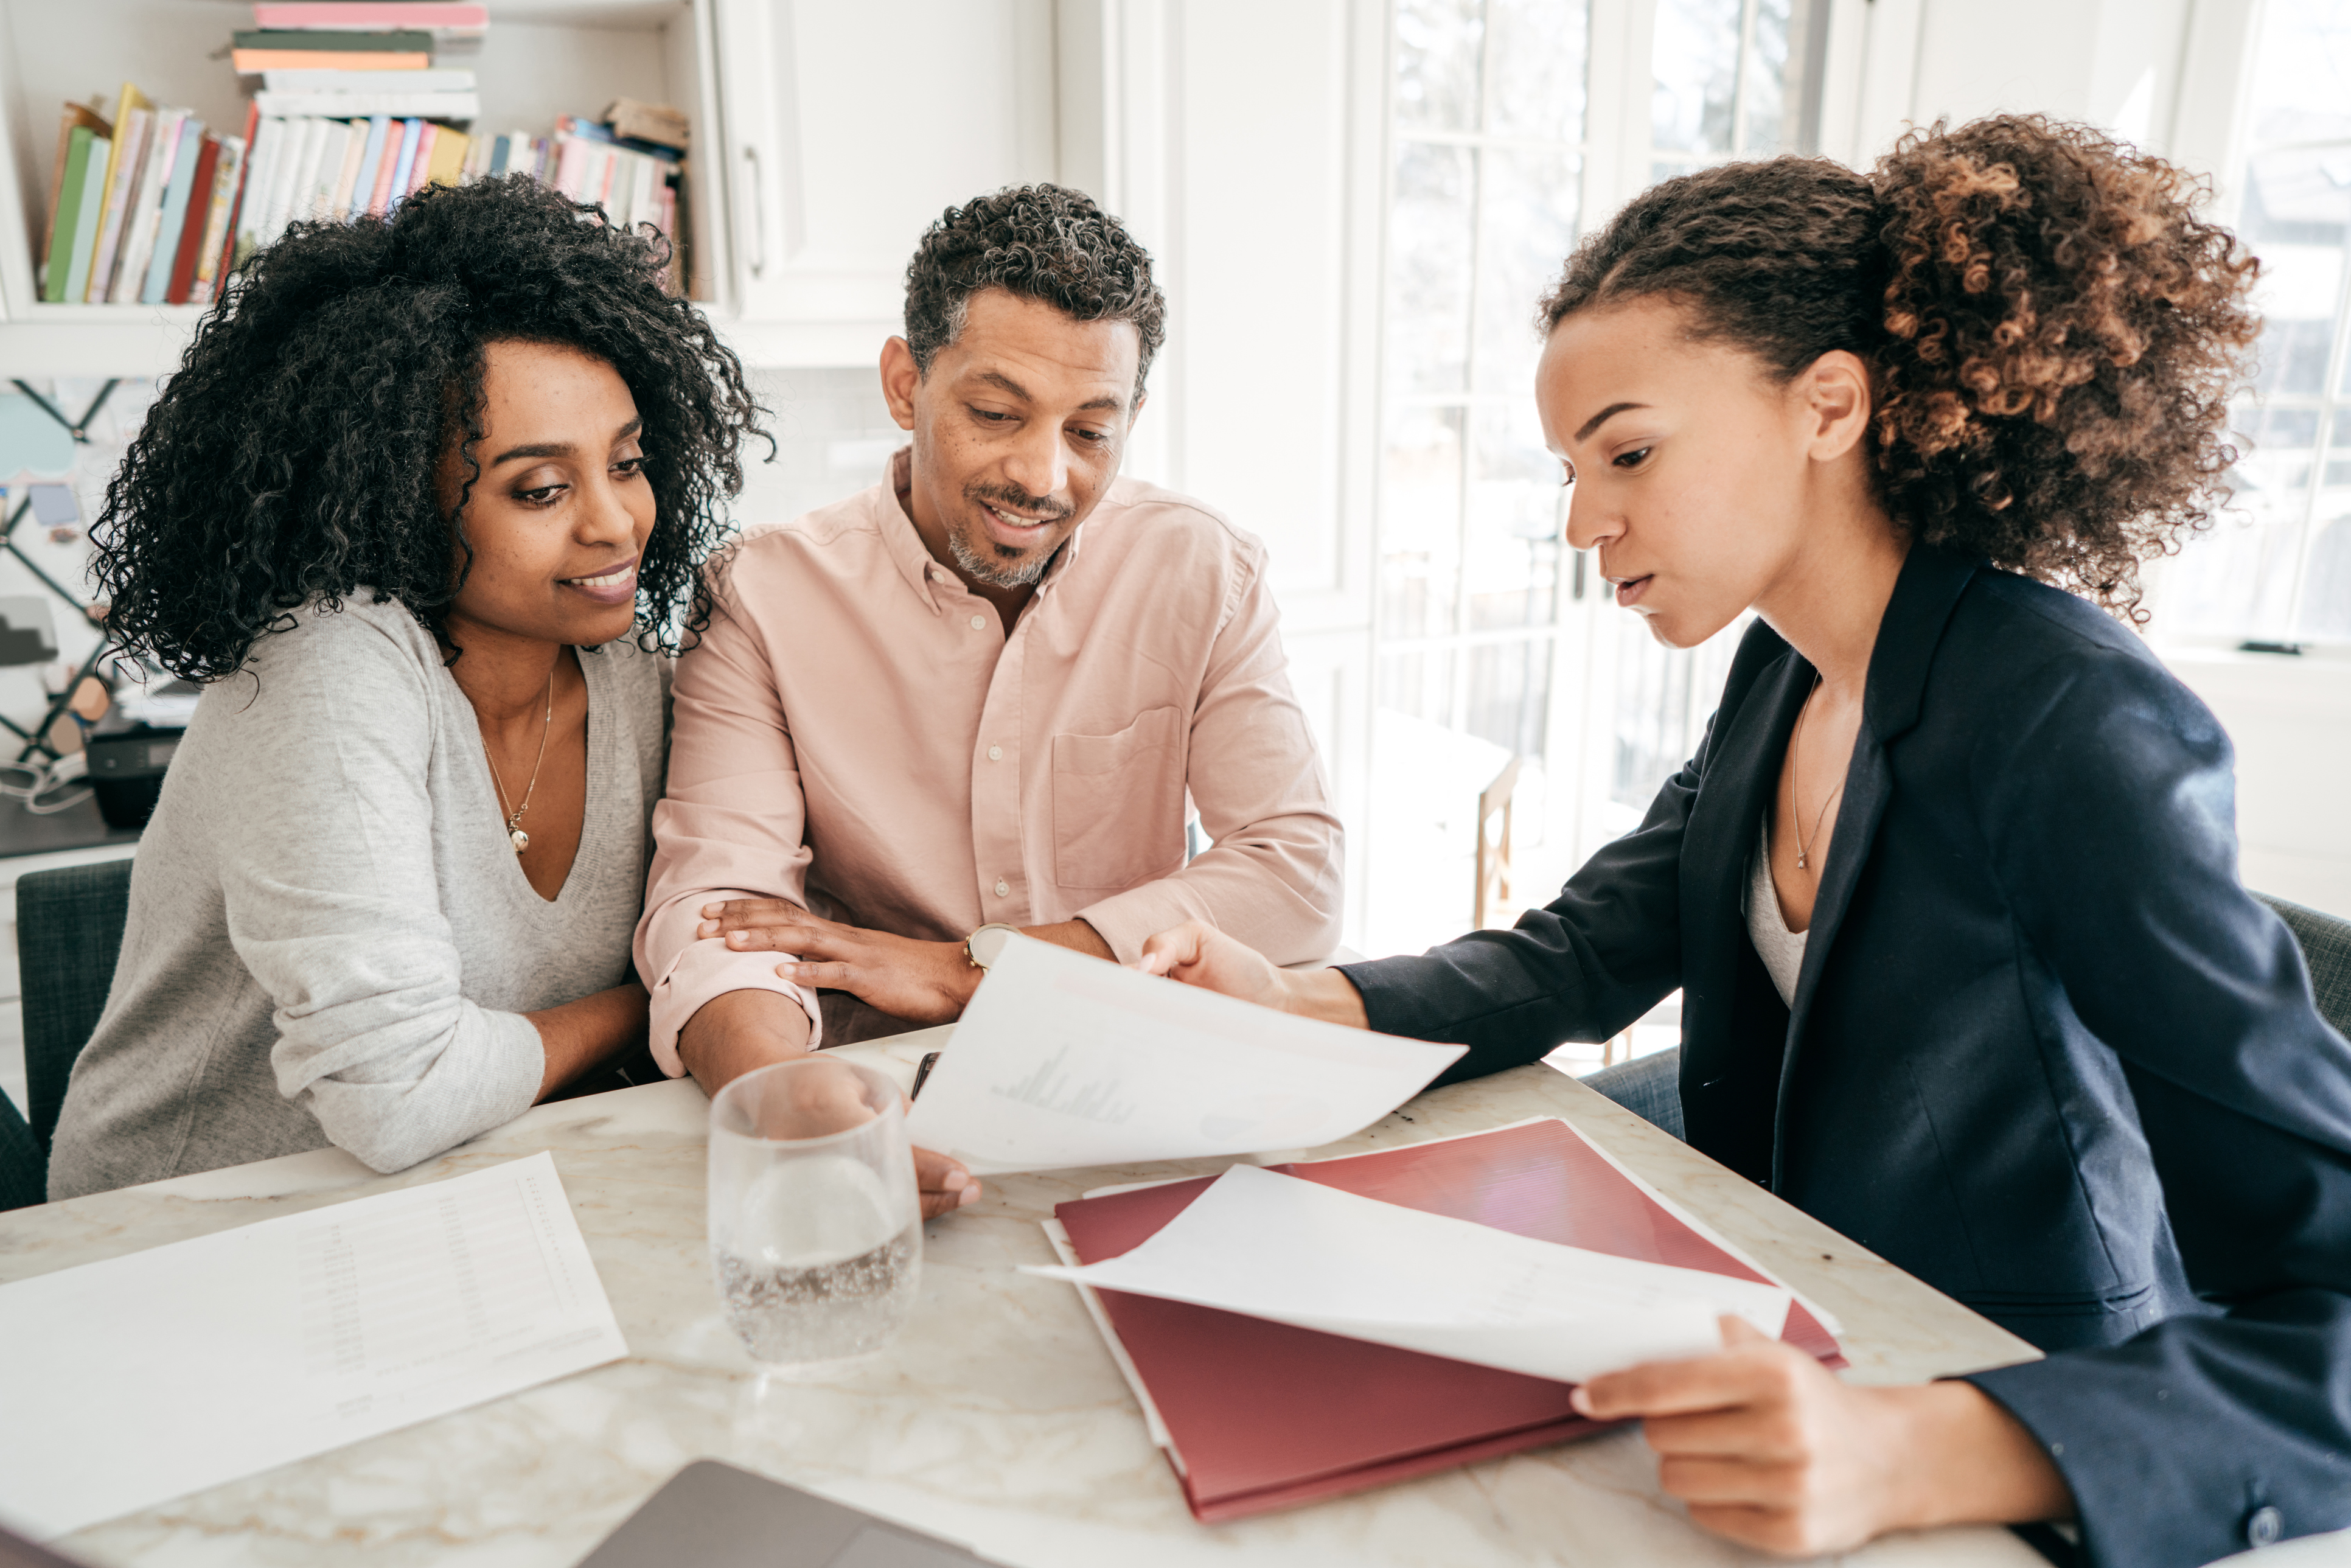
{"x": 1046, "y": 242}
{"x": 2053, "y": 331}
{"x": 293, "y": 456}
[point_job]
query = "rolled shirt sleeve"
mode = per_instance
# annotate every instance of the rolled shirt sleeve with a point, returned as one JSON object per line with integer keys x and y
{"x": 731, "y": 826}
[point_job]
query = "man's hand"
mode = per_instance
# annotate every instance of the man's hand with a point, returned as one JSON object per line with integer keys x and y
{"x": 1769, "y": 1448}
{"x": 922, "y": 982}
{"x": 1202, "y": 956}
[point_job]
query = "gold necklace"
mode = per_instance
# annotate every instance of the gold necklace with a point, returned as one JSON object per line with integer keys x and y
{"x": 1803, "y": 850}
{"x": 521, "y": 840}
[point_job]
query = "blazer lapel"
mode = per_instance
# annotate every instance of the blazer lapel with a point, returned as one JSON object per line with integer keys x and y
{"x": 1923, "y": 596}
{"x": 1728, "y": 1083}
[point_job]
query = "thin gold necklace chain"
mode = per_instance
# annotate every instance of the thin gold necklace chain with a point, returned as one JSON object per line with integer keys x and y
{"x": 546, "y": 724}
{"x": 1803, "y": 850}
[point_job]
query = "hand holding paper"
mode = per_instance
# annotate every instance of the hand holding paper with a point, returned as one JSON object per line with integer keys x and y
{"x": 1298, "y": 1253}
{"x": 1063, "y": 1060}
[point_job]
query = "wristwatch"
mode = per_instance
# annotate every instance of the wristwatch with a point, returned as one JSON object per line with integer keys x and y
{"x": 980, "y": 948}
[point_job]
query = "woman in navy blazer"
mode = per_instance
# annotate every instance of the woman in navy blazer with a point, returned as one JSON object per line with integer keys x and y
{"x": 1950, "y": 887}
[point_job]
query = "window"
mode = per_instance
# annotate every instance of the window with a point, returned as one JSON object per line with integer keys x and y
{"x": 1488, "y": 126}
{"x": 2277, "y": 567}
{"x": 1478, "y": 630}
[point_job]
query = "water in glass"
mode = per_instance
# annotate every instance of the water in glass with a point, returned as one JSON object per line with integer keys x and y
{"x": 816, "y": 1233}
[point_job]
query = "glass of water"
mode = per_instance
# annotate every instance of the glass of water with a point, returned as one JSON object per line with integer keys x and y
{"x": 816, "y": 1230}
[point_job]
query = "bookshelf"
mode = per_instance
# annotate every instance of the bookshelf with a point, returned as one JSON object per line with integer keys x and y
{"x": 541, "y": 58}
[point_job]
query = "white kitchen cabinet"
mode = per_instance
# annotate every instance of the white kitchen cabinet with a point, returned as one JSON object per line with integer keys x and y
{"x": 848, "y": 129}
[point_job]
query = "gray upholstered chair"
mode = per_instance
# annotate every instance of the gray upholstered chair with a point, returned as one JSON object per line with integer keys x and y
{"x": 2326, "y": 947}
{"x": 69, "y": 931}
{"x": 1650, "y": 1086}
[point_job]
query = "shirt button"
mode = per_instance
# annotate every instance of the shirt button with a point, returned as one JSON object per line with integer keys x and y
{"x": 2263, "y": 1526}
{"x": 996, "y": 754}
{"x": 979, "y": 623}
{"x": 1003, "y": 889}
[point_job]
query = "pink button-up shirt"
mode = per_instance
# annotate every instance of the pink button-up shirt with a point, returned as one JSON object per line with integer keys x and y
{"x": 856, "y": 734}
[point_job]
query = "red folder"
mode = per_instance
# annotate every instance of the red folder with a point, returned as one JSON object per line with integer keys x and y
{"x": 1261, "y": 1415}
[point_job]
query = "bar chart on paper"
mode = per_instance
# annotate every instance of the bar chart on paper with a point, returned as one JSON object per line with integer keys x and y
{"x": 1049, "y": 1087}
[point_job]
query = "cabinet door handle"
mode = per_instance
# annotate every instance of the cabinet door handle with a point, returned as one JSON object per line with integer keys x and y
{"x": 758, "y": 213}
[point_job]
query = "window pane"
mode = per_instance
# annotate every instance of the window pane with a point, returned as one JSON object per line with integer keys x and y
{"x": 1419, "y": 683}
{"x": 1663, "y": 697}
{"x": 1428, "y": 269}
{"x": 1695, "y": 61}
{"x": 2326, "y": 585}
{"x": 2304, "y": 72}
{"x": 2237, "y": 580}
{"x": 1526, "y": 215}
{"x": 1420, "y": 523}
{"x": 1510, "y": 572}
{"x": 1771, "y": 107}
{"x": 1539, "y": 47}
{"x": 2297, "y": 218}
{"x": 1438, "y": 44}
{"x": 1508, "y": 700}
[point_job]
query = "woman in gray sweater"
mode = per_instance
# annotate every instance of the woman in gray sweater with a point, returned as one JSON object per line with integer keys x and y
{"x": 425, "y": 509}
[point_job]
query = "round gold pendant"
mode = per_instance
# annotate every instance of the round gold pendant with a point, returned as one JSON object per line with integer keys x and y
{"x": 521, "y": 840}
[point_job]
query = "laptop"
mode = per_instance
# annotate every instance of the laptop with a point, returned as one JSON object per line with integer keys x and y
{"x": 711, "y": 1515}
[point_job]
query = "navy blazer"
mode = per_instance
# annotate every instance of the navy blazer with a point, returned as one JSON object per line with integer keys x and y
{"x": 2045, "y": 1052}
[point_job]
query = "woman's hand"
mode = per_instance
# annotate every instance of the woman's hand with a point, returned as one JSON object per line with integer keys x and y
{"x": 922, "y": 982}
{"x": 1200, "y": 955}
{"x": 1769, "y": 1448}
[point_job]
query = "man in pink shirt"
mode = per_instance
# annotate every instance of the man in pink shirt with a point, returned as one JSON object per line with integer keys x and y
{"x": 981, "y": 692}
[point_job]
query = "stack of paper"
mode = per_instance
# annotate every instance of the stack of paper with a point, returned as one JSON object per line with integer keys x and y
{"x": 150, "y": 1376}
{"x": 1298, "y": 1253}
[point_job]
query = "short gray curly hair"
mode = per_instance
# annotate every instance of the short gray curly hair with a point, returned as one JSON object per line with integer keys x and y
{"x": 1046, "y": 242}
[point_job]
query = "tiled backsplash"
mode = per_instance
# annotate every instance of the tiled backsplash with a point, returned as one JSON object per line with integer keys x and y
{"x": 833, "y": 434}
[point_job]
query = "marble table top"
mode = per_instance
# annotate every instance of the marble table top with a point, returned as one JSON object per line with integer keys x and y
{"x": 997, "y": 1420}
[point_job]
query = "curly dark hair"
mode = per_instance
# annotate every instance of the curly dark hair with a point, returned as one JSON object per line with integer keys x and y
{"x": 1047, "y": 242}
{"x": 295, "y": 455}
{"x": 2053, "y": 331}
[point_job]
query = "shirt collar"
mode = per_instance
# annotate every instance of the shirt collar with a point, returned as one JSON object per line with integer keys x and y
{"x": 923, "y": 570}
{"x": 898, "y": 533}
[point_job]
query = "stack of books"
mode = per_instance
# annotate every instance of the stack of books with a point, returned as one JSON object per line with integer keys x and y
{"x": 353, "y": 107}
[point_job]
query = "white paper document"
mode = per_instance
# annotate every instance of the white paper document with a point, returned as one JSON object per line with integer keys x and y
{"x": 1295, "y": 1252}
{"x": 1062, "y": 1060}
{"x": 127, "y": 1382}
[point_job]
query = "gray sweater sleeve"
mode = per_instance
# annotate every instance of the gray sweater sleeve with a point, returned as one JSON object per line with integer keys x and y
{"x": 322, "y": 823}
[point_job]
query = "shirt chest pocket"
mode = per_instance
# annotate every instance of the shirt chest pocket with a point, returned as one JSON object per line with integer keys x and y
{"x": 1118, "y": 803}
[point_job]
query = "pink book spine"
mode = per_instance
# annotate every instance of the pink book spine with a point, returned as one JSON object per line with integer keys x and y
{"x": 421, "y": 175}
{"x": 381, "y": 197}
{"x": 568, "y": 160}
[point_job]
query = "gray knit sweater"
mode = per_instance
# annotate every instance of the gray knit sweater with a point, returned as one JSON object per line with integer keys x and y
{"x": 330, "y": 941}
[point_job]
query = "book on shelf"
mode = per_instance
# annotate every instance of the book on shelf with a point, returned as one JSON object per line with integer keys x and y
{"x": 93, "y": 203}
{"x": 284, "y": 49}
{"x": 367, "y": 82}
{"x": 66, "y": 226}
{"x": 170, "y": 229}
{"x": 204, "y": 271}
{"x": 122, "y": 167}
{"x": 442, "y": 19}
{"x": 179, "y": 263}
{"x": 423, "y": 105}
{"x": 655, "y": 122}
{"x": 350, "y": 117}
{"x": 144, "y": 209}
{"x": 75, "y": 115}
